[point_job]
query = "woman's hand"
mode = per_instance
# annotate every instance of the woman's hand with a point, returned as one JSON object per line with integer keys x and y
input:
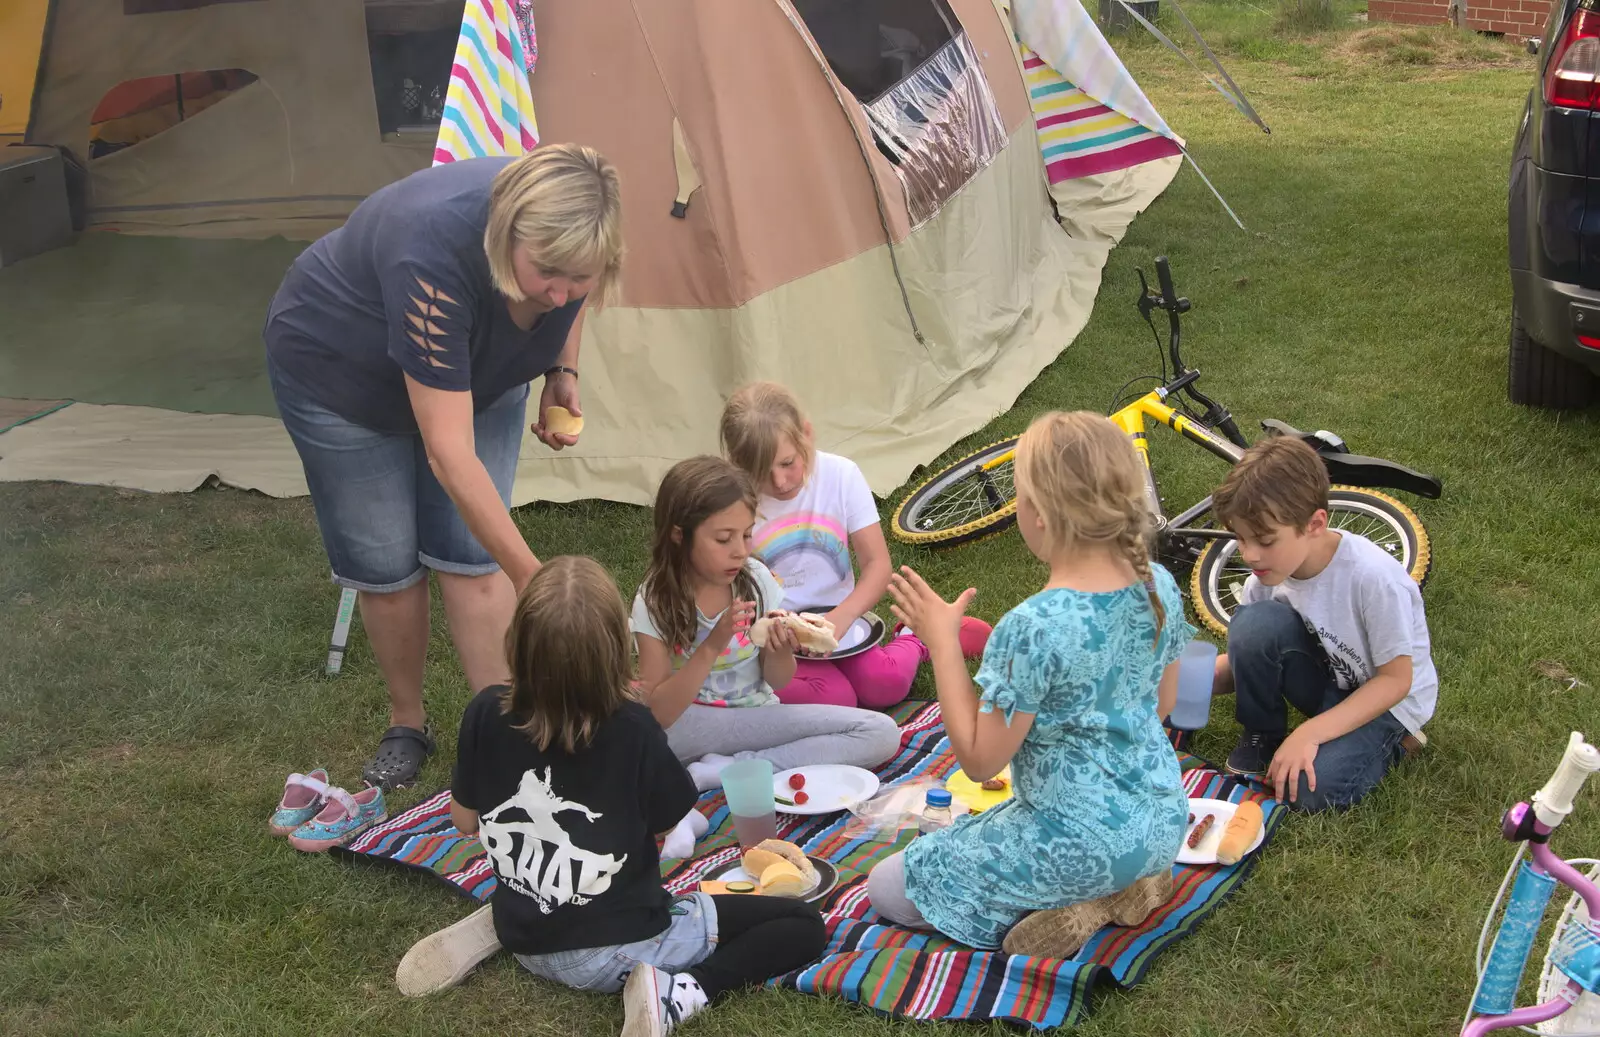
{"x": 920, "y": 608}
{"x": 560, "y": 390}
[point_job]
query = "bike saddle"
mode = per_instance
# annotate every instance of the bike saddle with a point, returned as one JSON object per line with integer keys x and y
{"x": 1356, "y": 470}
{"x": 1322, "y": 439}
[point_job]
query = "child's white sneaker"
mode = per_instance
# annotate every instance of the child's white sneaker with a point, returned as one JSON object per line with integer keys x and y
{"x": 440, "y": 960}
{"x": 655, "y": 1001}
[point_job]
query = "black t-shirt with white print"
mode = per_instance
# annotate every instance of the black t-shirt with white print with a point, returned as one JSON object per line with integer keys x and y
{"x": 572, "y": 837}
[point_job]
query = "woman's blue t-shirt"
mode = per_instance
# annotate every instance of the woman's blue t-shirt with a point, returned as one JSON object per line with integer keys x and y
{"x": 404, "y": 288}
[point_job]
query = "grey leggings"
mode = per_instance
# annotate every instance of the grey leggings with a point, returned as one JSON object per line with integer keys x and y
{"x": 789, "y": 736}
{"x": 886, "y": 891}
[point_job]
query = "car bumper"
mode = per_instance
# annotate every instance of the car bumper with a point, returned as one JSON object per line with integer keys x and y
{"x": 1559, "y": 316}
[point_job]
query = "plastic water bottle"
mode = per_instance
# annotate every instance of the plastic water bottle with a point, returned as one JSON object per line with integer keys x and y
{"x": 936, "y": 814}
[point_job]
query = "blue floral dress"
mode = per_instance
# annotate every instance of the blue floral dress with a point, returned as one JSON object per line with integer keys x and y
{"x": 1098, "y": 802}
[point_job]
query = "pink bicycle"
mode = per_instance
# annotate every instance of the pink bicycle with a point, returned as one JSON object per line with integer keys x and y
{"x": 1569, "y": 985}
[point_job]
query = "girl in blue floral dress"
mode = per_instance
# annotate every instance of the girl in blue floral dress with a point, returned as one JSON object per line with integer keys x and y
{"x": 1074, "y": 683}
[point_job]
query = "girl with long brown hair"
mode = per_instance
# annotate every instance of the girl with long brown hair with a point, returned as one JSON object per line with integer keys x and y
{"x": 707, "y": 683}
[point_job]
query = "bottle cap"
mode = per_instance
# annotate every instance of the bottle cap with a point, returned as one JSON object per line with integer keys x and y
{"x": 938, "y": 798}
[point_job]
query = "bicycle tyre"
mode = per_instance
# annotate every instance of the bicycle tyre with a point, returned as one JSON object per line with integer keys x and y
{"x": 925, "y": 517}
{"x": 1214, "y": 595}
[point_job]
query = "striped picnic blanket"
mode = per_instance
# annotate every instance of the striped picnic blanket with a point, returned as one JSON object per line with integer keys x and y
{"x": 894, "y": 970}
{"x": 488, "y": 109}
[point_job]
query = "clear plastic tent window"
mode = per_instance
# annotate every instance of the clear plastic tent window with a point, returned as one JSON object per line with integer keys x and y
{"x": 939, "y": 127}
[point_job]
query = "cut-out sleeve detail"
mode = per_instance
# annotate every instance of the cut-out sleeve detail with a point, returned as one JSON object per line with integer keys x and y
{"x": 431, "y": 327}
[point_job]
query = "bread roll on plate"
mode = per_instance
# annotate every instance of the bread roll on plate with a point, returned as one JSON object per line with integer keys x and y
{"x": 760, "y": 859}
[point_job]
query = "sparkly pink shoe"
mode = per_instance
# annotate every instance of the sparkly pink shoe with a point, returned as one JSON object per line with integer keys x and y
{"x": 344, "y": 818}
{"x": 303, "y": 796}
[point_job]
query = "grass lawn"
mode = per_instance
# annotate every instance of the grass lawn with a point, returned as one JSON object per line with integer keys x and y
{"x": 160, "y": 655}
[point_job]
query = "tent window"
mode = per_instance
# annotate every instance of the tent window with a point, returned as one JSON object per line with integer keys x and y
{"x": 138, "y": 109}
{"x": 873, "y": 45}
{"x": 412, "y": 46}
{"x": 160, "y": 6}
{"x": 939, "y": 127}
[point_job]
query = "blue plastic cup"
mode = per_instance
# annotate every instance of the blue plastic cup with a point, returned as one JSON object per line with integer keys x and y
{"x": 748, "y": 786}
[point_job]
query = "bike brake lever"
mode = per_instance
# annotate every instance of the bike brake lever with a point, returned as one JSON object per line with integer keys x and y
{"x": 1147, "y": 302}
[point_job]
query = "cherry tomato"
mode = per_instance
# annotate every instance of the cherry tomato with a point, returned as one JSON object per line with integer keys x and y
{"x": 801, "y": 798}
{"x": 797, "y": 781}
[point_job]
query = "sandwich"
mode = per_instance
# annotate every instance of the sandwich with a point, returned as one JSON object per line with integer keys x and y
{"x": 781, "y": 868}
{"x": 814, "y": 633}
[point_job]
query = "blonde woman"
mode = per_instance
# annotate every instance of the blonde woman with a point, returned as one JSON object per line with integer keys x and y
{"x": 400, "y": 349}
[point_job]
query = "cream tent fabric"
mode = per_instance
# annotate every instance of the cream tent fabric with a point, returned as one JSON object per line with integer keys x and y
{"x": 894, "y": 258}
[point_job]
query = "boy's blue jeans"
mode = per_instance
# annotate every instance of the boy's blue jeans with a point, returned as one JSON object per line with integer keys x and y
{"x": 1278, "y": 662}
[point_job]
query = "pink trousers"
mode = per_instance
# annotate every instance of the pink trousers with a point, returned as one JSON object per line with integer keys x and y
{"x": 874, "y": 679}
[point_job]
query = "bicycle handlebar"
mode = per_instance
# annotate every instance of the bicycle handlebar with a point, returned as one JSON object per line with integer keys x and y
{"x": 1553, "y": 803}
{"x": 1169, "y": 302}
{"x": 1164, "y": 278}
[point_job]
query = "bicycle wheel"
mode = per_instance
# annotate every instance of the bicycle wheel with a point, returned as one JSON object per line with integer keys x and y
{"x": 1218, "y": 577}
{"x": 972, "y": 498}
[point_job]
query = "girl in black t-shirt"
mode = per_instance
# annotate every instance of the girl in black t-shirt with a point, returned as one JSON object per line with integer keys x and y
{"x": 568, "y": 781}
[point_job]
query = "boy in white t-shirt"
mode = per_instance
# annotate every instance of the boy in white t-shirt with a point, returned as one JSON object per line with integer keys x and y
{"x": 1331, "y": 624}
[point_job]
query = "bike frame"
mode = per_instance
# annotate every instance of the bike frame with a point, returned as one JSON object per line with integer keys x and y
{"x": 1153, "y": 407}
{"x": 1533, "y": 823}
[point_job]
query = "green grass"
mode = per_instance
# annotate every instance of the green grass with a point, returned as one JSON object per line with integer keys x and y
{"x": 159, "y": 655}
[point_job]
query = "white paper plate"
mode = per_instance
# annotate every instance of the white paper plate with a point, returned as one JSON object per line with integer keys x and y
{"x": 1206, "y": 852}
{"x": 830, "y": 786}
{"x": 863, "y": 635}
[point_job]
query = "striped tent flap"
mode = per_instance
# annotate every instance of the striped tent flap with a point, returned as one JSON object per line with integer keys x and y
{"x": 1078, "y": 135}
{"x": 489, "y": 107}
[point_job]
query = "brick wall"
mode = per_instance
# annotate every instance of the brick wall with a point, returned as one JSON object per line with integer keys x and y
{"x": 1519, "y": 18}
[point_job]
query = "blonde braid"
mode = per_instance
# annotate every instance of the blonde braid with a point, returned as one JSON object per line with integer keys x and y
{"x": 1135, "y": 544}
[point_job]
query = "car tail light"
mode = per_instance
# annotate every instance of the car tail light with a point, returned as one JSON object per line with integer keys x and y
{"x": 1589, "y": 342}
{"x": 1572, "y": 79}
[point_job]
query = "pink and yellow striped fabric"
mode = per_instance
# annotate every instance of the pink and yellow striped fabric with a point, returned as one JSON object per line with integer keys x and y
{"x": 489, "y": 107}
{"x": 1078, "y": 135}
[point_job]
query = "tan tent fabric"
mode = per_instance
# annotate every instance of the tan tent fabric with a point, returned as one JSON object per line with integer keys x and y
{"x": 163, "y": 451}
{"x": 299, "y": 148}
{"x": 795, "y": 259}
{"x": 142, "y": 448}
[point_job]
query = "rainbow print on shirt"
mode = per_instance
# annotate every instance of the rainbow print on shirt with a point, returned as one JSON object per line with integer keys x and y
{"x": 784, "y": 542}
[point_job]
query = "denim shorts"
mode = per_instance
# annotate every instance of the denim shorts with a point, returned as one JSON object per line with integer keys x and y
{"x": 688, "y": 940}
{"x": 384, "y": 518}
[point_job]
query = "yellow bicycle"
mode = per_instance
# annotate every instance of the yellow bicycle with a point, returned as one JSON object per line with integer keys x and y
{"x": 976, "y": 496}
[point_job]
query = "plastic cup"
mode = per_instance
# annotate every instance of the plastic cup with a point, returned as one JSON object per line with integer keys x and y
{"x": 1197, "y": 668}
{"x": 748, "y": 786}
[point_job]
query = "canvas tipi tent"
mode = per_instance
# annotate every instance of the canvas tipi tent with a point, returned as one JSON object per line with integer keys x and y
{"x": 854, "y": 197}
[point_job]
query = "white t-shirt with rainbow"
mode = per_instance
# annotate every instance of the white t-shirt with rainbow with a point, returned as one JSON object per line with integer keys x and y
{"x": 806, "y": 541}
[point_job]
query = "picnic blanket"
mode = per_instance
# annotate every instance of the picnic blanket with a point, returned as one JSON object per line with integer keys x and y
{"x": 893, "y": 970}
